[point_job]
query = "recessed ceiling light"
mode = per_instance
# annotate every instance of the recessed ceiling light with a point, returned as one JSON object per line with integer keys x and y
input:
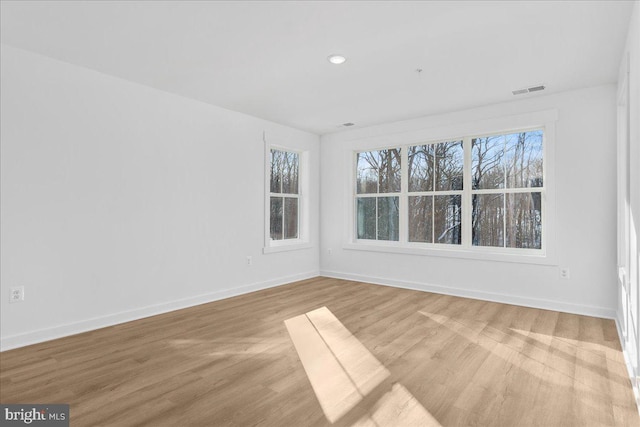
{"x": 336, "y": 59}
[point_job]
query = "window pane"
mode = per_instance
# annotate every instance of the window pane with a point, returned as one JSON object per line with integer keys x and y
{"x": 448, "y": 219}
{"x": 290, "y": 218}
{"x": 389, "y": 176}
{"x": 420, "y": 159}
{"x": 487, "y": 168}
{"x": 366, "y": 217}
{"x": 523, "y": 159}
{"x": 524, "y": 220}
{"x": 448, "y": 164}
{"x": 378, "y": 171}
{"x": 487, "y": 219}
{"x": 276, "y": 170}
{"x": 276, "y": 218}
{"x": 368, "y": 164}
{"x": 290, "y": 173}
{"x": 388, "y": 218}
{"x": 420, "y": 219}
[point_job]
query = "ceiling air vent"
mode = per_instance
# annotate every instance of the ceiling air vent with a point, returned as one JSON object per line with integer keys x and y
{"x": 528, "y": 90}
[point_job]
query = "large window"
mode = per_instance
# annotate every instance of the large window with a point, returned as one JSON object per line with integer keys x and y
{"x": 284, "y": 195}
{"x": 484, "y": 191}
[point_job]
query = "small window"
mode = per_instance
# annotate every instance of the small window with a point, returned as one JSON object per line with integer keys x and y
{"x": 284, "y": 195}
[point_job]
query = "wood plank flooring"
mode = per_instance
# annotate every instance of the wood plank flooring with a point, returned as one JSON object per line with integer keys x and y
{"x": 233, "y": 363}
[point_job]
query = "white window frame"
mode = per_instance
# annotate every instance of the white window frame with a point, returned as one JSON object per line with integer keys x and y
{"x": 544, "y": 120}
{"x": 302, "y": 241}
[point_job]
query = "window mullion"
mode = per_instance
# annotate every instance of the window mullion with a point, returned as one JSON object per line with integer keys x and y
{"x": 504, "y": 219}
{"x": 404, "y": 203}
{"x": 376, "y": 218}
{"x": 354, "y": 197}
{"x": 433, "y": 219}
{"x": 377, "y": 194}
{"x": 466, "y": 195}
{"x": 504, "y": 195}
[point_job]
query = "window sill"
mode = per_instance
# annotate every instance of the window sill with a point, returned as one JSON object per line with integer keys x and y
{"x": 481, "y": 254}
{"x": 286, "y": 247}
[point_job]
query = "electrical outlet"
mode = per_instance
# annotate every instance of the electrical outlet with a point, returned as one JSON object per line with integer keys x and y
{"x": 330, "y": 251}
{"x": 17, "y": 294}
{"x": 249, "y": 260}
{"x": 565, "y": 273}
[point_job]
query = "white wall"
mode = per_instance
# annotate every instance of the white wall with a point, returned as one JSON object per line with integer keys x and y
{"x": 585, "y": 181}
{"x": 120, "y": 201}
{"x": 629, "y": 200}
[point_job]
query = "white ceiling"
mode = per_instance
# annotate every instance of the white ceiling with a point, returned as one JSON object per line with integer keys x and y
{"x": 268, "y": 59}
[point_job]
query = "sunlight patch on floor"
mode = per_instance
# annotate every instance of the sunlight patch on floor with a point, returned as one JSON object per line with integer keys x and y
{"x": 342, "y": 372}
{"x": 553, "y": 353}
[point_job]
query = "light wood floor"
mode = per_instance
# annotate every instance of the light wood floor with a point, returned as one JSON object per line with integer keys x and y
{"x": 232, "y": 362}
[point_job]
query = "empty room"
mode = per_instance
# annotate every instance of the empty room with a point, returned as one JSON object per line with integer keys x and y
{"x": 320, "y": 213}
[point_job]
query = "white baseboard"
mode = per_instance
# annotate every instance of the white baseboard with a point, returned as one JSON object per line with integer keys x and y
{"x": 59, "y": 331}
{"x": 481, "y": 295}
